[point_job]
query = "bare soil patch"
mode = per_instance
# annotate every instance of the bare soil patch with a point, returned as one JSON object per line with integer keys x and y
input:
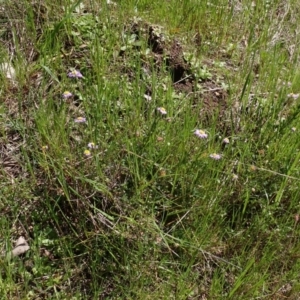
{"x": 168, "y": 56}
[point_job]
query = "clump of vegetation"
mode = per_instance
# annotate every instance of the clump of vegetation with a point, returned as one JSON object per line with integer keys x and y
{"x": 149, "y": 149}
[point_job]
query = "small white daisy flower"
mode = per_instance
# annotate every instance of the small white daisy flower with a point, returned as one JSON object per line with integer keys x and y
{"x": 92, "y": 145}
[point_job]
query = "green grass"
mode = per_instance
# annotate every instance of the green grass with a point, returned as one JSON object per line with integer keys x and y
{"x": 149, "y": 214}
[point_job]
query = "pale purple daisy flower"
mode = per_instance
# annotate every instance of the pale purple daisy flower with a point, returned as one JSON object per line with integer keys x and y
{"x": 80, "y": 120}
{"x": 67, "y": 95}
{"x": 75, "y": 74}
{"x": 92, "y": 145}
{"x": 215, "y": 156}
{"x": 162, "y": 110}
{"x": 294, "y": 96}
{"x": 226, "y": 141}
{"x": 201, "y": 134}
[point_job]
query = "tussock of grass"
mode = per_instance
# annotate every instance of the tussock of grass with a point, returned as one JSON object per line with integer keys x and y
{"x": 150, "y": 209}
